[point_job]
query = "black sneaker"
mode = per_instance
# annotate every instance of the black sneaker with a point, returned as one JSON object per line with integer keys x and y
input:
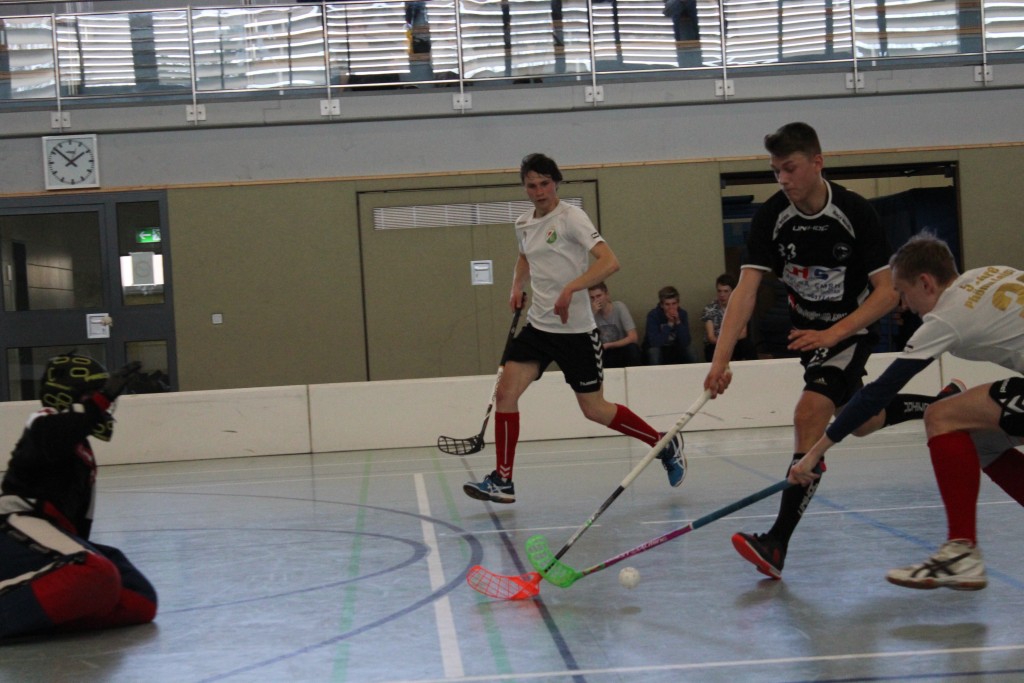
{"x": 492, "y": 488}
{"x": 763, "y": 551}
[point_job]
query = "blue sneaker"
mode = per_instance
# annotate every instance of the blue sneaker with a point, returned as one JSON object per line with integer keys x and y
{"x": 492, "y": 488}
{"x": 674, "y": 460}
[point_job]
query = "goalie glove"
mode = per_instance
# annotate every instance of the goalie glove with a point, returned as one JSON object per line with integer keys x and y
{"x": 119, "y": 380}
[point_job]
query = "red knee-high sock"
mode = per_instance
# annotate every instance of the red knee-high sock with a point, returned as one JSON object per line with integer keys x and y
{"x": 1007, "y": 471}
{"x": 629, "y": 423}
{"x": 506, "y": 436}
{"x": 955, "y": 462}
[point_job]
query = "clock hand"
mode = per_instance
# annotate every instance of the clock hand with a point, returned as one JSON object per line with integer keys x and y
{"x": 72, "y": 160}
{"x": 66, "y": 158}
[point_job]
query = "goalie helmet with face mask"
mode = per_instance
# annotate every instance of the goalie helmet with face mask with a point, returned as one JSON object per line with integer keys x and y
{"x": 70, "y": 378}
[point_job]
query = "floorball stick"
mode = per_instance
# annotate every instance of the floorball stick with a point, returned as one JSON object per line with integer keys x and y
{"x": 528, "y": 585}
{"x": 475, "y": 444}
{"x": 548, "y": 565}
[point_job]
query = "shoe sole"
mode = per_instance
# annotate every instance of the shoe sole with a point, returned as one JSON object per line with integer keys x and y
{"x": 748, "y": 553}
{"x": 931, "y": 584}
{"x": 474, "y": 492}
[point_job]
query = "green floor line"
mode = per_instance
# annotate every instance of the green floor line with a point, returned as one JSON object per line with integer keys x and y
{"x": 348, "y": 603}
{"x": 490, "y": 623}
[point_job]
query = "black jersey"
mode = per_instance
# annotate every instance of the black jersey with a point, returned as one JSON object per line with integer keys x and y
{"x": 54, "y": 468}
{"x": 825, "y": 260}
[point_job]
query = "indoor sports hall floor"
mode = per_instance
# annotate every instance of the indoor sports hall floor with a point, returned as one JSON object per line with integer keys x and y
{"x": 350, "y": 567}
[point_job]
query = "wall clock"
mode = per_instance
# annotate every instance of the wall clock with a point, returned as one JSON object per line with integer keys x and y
{"x": 71, "y": 162}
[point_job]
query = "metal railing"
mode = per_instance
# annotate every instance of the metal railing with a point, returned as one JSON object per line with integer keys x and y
{"x": 201, "y": 52}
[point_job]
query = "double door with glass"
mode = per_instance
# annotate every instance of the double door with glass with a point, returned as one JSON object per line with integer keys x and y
{"x": 90, "y": 274}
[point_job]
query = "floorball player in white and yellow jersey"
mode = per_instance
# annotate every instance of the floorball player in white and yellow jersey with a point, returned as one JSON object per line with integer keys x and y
{"x": 976, "y": 316}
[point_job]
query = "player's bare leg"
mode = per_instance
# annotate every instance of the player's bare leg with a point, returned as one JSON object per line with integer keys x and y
{"x": 597, "y": 408}
{"x": 767, "y": 551}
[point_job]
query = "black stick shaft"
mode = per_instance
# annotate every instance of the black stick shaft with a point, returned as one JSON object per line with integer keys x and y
{"x": 635, "y": 472}
{"x": 695, "y": 524}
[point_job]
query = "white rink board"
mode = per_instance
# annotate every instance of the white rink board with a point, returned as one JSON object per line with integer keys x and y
{"x": 197, "y": 425}
{"x": 413, "y": 413}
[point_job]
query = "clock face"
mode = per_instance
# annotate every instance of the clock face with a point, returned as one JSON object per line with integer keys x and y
{"x": 71, "y": 162}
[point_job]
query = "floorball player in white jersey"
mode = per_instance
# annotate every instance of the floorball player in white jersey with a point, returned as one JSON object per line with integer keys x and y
{"x": 561, "y": 255}
{"x": 976, "y": 316}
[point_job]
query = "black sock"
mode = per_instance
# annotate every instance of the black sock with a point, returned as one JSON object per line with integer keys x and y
{"x": 794, "y": 501}
{"x": 906, "y": 407}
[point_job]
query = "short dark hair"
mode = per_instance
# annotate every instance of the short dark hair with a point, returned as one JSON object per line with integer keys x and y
{"x": 924, "y": 253}
{"x": 793, "y": 138}
{"x": 600, "y": 285}
{"x": 669, "y": 292}
{"x": 541, "y": 165}
{"x": 727, "y": 280}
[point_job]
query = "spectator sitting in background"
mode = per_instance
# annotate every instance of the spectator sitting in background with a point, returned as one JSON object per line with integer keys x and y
{"x": 667, "y": 337}
{"x": 619, "y": 340}
{"x": 712, "y": 318}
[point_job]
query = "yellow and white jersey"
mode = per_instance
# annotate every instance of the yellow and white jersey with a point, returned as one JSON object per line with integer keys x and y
{"x": 979, "y": 317}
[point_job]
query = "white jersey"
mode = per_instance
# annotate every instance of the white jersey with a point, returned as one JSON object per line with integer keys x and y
{"x": 557, "y": 247}
{"x": 979, "y": 317}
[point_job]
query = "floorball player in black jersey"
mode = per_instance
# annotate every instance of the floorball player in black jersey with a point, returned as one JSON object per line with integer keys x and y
{"x": 827, "y": 245}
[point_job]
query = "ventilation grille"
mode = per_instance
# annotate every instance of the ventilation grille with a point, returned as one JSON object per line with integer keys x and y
{"x": 447, "y": 215}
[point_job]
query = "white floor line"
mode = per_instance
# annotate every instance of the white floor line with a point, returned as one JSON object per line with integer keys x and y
{"x": 451, "y": 655}
{"x": 518, "y": 530}
{"x": 697, "y": 666}
{"x": 857, "y": 511}
{"x": 682, "y": 522}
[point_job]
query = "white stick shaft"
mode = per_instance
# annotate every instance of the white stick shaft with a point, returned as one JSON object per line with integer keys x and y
{"x": 655, "y": 450}
{"x": 669, "y": 435}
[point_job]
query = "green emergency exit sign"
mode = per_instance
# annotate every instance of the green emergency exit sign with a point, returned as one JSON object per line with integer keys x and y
{"x": 147, "y": 235}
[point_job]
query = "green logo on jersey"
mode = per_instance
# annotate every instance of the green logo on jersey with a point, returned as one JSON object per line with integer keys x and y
{"x": 552, "y": 236}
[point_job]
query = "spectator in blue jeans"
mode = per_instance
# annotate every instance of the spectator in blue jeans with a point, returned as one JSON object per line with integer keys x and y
{"x": 667, "y": 336}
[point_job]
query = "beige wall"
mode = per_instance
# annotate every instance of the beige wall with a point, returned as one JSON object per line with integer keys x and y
{"x": 992, "y": 206}
{"x": 283, "y": 264}
{"x": 664, "y": 222}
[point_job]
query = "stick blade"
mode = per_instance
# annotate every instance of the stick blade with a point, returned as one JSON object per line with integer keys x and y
{"x": 547, "y": 565}
{"x": 503, "y": 587}
{"x": 453, "y": 446}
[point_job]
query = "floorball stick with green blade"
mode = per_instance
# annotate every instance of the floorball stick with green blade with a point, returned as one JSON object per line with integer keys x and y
{"x": 553, "y": 570}
{"x": 505, "y": 587}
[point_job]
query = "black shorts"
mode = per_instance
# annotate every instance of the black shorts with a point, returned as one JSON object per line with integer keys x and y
{"x": 577, "y": 354}
{"x": 837, "y": 373}
{"x": 1009, "y": 394}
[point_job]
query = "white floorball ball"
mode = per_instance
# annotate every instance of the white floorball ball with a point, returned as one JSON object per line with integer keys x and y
{"x": 629, "y": 577}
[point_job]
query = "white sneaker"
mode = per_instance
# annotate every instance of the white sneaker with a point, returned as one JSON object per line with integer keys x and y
{"x": 956, "y": 565}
